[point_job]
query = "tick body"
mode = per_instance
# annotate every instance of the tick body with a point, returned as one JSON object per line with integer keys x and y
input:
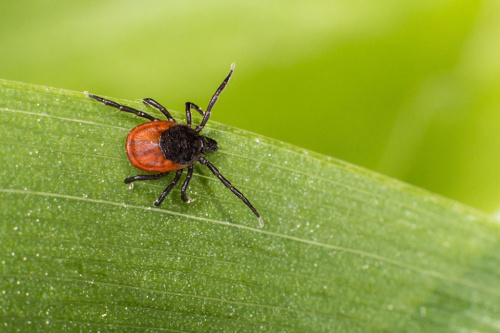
{"x": 144, "y": 150}
{"x": 166, "y": 146}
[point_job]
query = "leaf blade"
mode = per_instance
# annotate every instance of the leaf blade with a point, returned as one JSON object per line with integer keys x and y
{"x": 342, "y": 248}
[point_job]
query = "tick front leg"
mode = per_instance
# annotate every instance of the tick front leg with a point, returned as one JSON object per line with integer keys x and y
{"x": 145, "y": 177}
{"x": 190, "y": 106}
{"x": 155, "y": 104}
{"x": 186, "y": 184}
{"x": 214, "y": 99}
{"x": 231, "y": 187}
{"x": 122, "y": 107}
{"x": 169, "y": 188}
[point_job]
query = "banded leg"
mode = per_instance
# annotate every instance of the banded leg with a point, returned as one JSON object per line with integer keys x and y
{"x": 169, "y": 188}
{"x": 155, "y": 104}
{"x": 123, "y": 107}
{"x": 186, "y": 184}
{"x": 190, "y": 106}
{"x": 214, "y": 99}
{"x": 231, "y": 187}
{"x": 145, "y": 177}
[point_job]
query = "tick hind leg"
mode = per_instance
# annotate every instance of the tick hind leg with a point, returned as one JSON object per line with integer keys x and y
{"x": 169, "y": 188}
{"x": 123, "y": 107}
{"x": 145, "y": 177}
{"x": 155, "y": 104}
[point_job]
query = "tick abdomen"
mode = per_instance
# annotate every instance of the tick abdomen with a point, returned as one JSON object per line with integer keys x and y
{"x": 143, "y": 147}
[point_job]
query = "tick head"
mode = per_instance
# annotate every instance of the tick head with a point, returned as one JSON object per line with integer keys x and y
{"x": 208, "y": 145}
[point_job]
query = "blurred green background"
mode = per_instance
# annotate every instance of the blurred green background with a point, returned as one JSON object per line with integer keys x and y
{"x": 410, "y": 88}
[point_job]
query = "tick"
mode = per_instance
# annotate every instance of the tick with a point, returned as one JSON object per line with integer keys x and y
{"x": 167, "y": 146}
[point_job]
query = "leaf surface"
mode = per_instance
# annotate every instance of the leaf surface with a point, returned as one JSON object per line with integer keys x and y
{"x": 342, "y": 249}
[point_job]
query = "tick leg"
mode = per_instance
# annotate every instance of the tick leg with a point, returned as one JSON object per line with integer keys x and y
{"x": 214, "y": 99}
{"x": 169, "y": 188}
{"x": 186, "y": 184}
{"x": 155, "y": 104}
{"x": 190, "y": 106}
{"x": 231, "y": 187}
{"x": 145, "y": 177}
{"x": 123, "y": 107}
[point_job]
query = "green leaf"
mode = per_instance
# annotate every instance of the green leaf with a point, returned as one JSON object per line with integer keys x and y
{"x": 342, "y": 249}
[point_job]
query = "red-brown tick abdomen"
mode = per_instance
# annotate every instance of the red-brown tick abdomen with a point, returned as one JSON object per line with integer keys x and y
{"x": 143, "y": 147}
